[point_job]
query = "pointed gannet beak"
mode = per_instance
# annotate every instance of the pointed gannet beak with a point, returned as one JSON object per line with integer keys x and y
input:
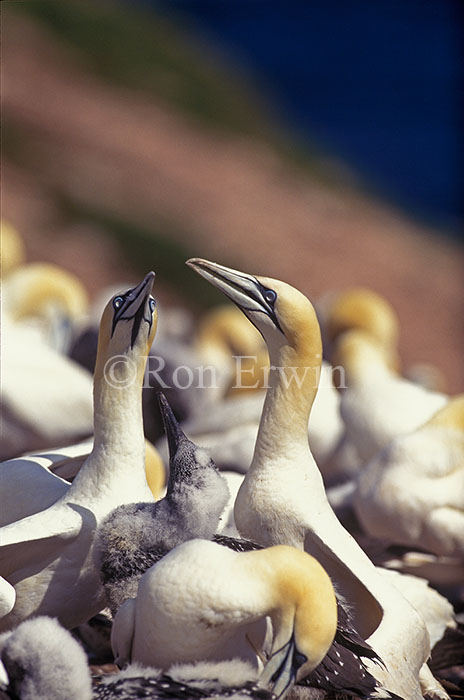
{"x": 134, "y": 305}
{"x": 244, "y": 290}
{"x": 279, "y": 674}
{"x": 172, "y": 428}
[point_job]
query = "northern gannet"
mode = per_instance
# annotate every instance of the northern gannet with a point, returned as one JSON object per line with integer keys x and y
{"x": 378, "y": 404}
{"x": 40, "y": 660}
{"x": 33, "y": 482}
{"x": 135, "y": 536}
{"x": 48, "y": 557}
{"x": 203, "y": 601}
{"x": 282, "y": 498}
{"x": 412, "y": 491}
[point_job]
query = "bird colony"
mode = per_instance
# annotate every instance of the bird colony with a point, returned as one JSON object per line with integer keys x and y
{"x": 256, "y": 503}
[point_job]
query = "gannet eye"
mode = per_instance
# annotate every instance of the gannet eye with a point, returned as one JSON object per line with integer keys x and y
{"x": 270, "y": 296}
{"x": 152, "y": 304}
{"x": 299, "y": 659}
{"x": 117, "y": 302}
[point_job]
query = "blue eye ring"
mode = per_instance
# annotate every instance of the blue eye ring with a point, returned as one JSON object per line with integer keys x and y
{"x": 270, "y": 296}
{"x": 152, "y": 304}
{"x": 118, "y": 302}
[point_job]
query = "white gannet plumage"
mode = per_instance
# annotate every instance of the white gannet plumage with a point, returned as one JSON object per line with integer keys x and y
{"x": 282, "y": 498}
{"x": 203, "y": 601}
{"x": 48, "y": 557}
{"x": 412, "y": 491}
{"x": 33, "y": 482}
{"x": 378, "y": 404}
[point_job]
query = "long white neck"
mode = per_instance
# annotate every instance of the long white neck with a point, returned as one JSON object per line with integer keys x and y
{"x": 293, "y": 382}
{"x": 119, "y": 445}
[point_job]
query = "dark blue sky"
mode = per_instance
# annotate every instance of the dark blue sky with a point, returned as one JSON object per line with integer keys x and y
{"x": 376, "y": 82}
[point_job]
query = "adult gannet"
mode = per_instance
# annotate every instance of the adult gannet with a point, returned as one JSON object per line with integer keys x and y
{"x": 40, "y": 660}
{"x": 48, "y": 556}
{"x": 378, "y": 404}
{"x": 135, "y": 536}
{"x": 282, "y": 498}
{"x": 412, "y": 491}
{"x": 202, "y": 601}
{"x": 34, "y": 482}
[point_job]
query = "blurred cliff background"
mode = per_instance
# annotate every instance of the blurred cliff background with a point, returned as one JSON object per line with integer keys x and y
{"x": 317, "y": 142}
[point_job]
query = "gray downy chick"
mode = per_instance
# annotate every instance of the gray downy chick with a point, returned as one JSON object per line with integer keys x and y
{"x": 135, "y": 536}
{"x": 40, "y": 660}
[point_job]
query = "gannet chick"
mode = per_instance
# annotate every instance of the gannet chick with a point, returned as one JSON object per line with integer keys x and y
{"x": 377, "y": 404}
{"x": 135, "y": 536}
{"x": 31, "y": 483}
{"x": 43, "y": 661}
{"x": 48, "y": 557}
{"x": 412, "y": 491}
{"x": 282, "y": 498}
{"x": 233, "y": 679}
{"x": 202, "y": 602}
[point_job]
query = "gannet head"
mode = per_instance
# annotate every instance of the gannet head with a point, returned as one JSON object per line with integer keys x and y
{"x": 282, "y": 314}
{"x": 365, "y": 310}
{"x": 127, "y": 328}
{"x": 38, "y": 289}
{"x": 189, "y": 464}
{"x": 304, "y": 618}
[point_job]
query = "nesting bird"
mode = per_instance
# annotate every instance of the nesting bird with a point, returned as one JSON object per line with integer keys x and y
{"x": 135, "y": 536}
{"x": 40, "y": 305}
{"x": 282, "y": 498}
{"x": 412, "y": 491}
{"x": 48, "y": 557}
{"x": 378, "y": 404}
{"x": 203, "y": 601}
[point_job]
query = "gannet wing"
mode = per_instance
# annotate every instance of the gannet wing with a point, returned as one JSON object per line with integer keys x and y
{"x": 41, "y": 536}
{"x": 27, "y": 487}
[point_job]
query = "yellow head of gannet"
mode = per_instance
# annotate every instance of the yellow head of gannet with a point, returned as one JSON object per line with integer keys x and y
{"x": 40, "y": 288}
{"x": 284, "y": 316}
{"x": 201, "y": 600}
{"x": 120, "y": 336}
{"x": 365, "y": 310}
{"x": 12, "y": 248}
{"x": 48, "y": 556}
